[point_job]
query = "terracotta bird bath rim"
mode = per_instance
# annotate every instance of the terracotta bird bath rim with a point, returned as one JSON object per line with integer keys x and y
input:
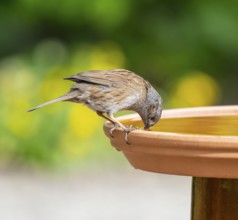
{"x": 200, "y": 142}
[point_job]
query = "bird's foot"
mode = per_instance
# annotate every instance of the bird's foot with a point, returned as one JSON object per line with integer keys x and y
{"x": 112, "y": 129}
{"x": 127, "y": 130}
{"x": 133, "y": 128}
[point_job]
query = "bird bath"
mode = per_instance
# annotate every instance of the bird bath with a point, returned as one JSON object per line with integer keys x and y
{"x": 198, "y": 142}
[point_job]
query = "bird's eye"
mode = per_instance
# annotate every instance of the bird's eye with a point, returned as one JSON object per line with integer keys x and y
{"x": 152, "y": 118}
{"x": 152, "y": 107}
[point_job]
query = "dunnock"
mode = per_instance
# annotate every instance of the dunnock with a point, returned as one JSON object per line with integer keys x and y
{"x": 109, "y": 91}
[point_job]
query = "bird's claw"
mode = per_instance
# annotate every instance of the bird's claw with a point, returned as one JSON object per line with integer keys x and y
{"x": 133, "y": 128}
{"x": 126, "y": 130}
{"x": 112, "y": 129}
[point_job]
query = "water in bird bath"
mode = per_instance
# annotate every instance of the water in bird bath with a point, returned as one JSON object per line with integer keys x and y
{"x": 212, "y": 125}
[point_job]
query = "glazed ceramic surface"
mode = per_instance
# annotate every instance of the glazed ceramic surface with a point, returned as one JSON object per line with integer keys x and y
{"x": 200, "y": 142}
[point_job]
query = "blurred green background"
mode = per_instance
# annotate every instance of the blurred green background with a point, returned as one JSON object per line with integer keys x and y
{"x": 188, "y": 50}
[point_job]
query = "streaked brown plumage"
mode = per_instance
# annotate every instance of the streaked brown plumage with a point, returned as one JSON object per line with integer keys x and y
{"x": 109, "y": 91}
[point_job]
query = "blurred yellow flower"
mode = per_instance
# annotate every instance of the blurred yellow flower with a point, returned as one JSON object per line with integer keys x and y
{"x": 77, "y": 140}
{"x": 18, "y": 121}
{"x": 83, "y": 122}
{"x": 17, "y": 90}
{"x": 53, "y": 85}
{"x": 195, "y": 89}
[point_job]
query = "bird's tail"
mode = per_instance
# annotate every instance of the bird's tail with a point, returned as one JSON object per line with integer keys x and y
{"x": 65, "y": 97}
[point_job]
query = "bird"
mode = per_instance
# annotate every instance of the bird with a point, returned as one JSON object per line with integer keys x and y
{"x": 109, "y": 91}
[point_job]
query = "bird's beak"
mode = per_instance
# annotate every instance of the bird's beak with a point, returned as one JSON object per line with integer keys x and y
{"x": 145, "y": 122}
{"x": 146, "y": 126}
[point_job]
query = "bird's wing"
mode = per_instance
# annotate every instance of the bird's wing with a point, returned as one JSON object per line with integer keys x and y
{"x": 103, "y": 77}
{"x": 99, "y": 77}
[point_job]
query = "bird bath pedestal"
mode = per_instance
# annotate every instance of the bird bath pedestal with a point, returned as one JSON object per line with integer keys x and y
{"x": 198, "y": 142}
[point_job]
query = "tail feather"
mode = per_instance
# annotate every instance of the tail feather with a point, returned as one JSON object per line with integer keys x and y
{"x": 61, "y": 98}
{"x": 72, "y": 78}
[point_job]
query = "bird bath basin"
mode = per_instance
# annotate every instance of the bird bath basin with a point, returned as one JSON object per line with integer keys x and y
{"x": 198, "y": 142}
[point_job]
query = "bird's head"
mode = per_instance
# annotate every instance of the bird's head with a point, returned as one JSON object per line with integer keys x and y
{"x": 152, "y": 108}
